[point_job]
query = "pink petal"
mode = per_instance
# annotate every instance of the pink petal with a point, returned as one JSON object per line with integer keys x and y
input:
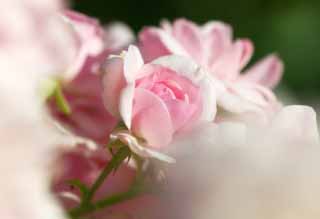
{"x": 113, "y": 83}
{"x": 188, "y": 35}
{"x": 266, "y": 72}
{"x": 246, "y": 52}
{"x": 91, "y": 45}
{"x": 229, "y": 65}
{"x": 218, "y": 38}
{"x": 187, "y": 68}
{"x": 151, "y": 44}
{"x": 151, "y": 119}
{"x": 155, "y": 43}
{"x": 180, "y": 112}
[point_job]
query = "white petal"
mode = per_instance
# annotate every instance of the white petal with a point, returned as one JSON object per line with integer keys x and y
{"x": 126, "y": 104}
{"x": 172, "y": 44}
{"x": 183, "y": 66}
{"x": 298, "y": 124}
{"x": 133, "y": 61}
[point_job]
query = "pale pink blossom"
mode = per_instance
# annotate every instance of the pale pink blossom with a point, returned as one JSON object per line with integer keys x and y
{"x": 90, "y": 37}
{"x": 35, "y": 44}
{"x": 157, "y": 100}
{"x": 89, "y": 118}
{"x": 94, "y": 42}
{"x": 212, "y": 46}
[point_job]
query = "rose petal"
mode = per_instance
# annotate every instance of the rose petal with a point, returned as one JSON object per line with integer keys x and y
{"x": 126, "y": 104}
{"x": 218, "y": 38}
{"x": 180, "y": 112}
{"x": 266, "y": 72}
{"x": 187, "y": 68}
{"x": 151, "y": 119}
{"x": 113, "y": 82}
{"x": 91, "y": 45}
{"x": 132, "y": 63}
{"x": 155, "y": 43}
{"x": 152, "y": 45}
{"x": 189, "y": 36}
{"x": 229, "y": 65}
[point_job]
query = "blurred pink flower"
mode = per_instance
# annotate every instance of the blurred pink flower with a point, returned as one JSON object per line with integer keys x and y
{"x": 35, "y": 44}
{"x": 89, "y": 118}
{"x": 212, "y": 46}
{"x": 89, "y": 34}
{"x": 156, "y": 100}
{"x": 95, "y": 43}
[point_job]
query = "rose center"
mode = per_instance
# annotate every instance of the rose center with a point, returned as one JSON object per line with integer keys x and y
{"x": 168, "y": 90}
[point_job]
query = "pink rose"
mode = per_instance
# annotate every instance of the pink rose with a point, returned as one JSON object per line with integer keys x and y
{"x": 94, "y": 41}
{"x": 89, "y": 118}
{"x": 158, "y": 100}
{"x": 212, "y": 47}
{"x": 89, "y": 34}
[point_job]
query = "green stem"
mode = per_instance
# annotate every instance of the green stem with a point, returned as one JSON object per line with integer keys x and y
{"x": 115, "y": 162}
{"x": 86, "y": 206}
{"x": 61, "y": 100}
{"x": 101, "y": 204}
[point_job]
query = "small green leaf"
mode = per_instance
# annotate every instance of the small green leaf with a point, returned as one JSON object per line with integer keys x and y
{"x": 61, "y": 101}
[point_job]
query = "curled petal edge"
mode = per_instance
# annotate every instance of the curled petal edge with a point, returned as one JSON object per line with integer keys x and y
{"x": 138, "y": 148}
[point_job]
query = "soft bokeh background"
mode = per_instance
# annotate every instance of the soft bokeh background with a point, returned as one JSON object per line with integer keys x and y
{"x": 289, "y": 27}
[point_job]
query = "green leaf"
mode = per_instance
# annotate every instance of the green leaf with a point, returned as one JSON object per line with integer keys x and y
{"x": 61, "y": 101}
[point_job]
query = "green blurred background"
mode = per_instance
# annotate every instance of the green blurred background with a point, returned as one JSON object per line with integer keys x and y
{"x": 290, "y": 28}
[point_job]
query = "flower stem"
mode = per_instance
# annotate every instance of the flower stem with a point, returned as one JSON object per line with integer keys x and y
{"x": 86, "y": 205}
{"x": 61, "y": 101}
{"x": 115, "y": 162}
{"x": 103, "y": 203}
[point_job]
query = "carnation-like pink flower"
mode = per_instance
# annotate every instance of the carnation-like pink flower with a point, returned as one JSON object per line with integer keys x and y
{"x": 156, "y": 100}
{"x": 212, "y": 46}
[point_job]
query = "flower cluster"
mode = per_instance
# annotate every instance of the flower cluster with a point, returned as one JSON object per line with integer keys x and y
{"x": 172, "y": 95}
